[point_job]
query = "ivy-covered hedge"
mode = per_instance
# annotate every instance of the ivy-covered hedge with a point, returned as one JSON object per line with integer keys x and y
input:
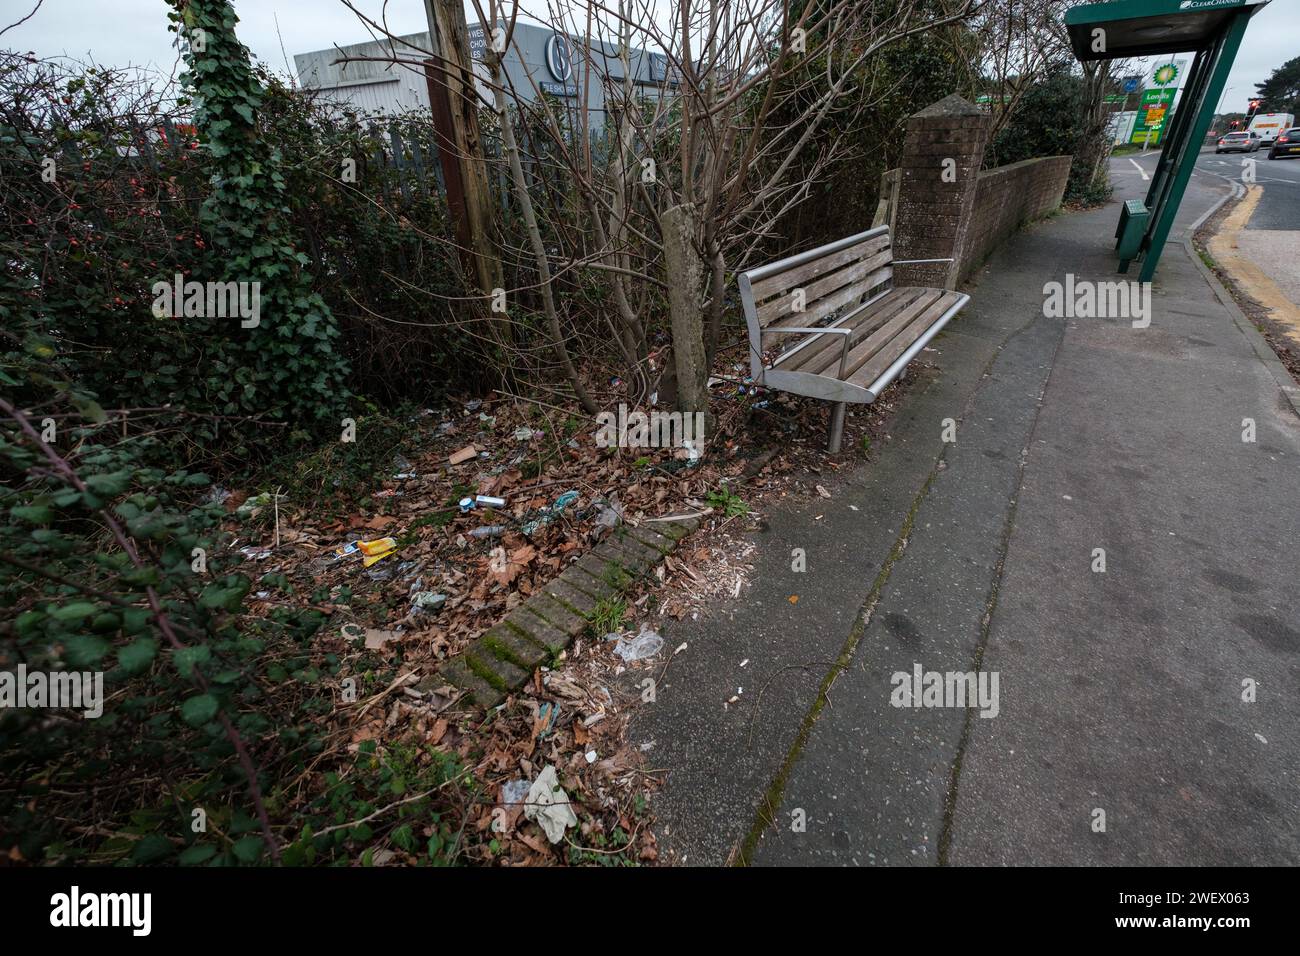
{"x": 219, "y": 742}
{"x": 288, "y": 366}
{"x": 360, "y": 292}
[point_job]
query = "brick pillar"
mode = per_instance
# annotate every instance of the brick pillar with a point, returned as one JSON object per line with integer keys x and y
{"x": 936, "y": 198}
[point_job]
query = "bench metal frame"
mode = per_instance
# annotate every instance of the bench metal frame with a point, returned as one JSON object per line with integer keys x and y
{"x": 819, "y": 385}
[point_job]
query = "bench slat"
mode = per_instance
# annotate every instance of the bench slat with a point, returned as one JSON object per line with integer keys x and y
{"x": 868, "y": 348}
{"x": 809, "y": 271}
{"x": 822, "y": 357}
{"x": 936, "y": 306}
{"x": 874, "y": 268}
{"x": 844, "y": 298}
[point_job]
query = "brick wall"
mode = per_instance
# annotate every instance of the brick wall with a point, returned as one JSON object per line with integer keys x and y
{"x": 1006, "y": 198}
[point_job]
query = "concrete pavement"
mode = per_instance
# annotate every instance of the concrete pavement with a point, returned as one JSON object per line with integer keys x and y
{"x": 1119, "y": 691}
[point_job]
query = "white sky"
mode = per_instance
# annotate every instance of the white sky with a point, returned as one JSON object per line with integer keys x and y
{"x": 134, "y": 32}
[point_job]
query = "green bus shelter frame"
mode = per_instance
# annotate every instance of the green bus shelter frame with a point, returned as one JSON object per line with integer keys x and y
{"x": 1133, "y": 28}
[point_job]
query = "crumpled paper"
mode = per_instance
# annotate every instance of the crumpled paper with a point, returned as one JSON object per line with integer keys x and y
{"x": 548, "y": 805}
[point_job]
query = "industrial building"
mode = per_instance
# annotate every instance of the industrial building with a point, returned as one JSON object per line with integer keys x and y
{"x": 539, "y": 58}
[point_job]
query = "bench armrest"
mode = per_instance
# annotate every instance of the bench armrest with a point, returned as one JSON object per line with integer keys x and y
{"x": 790, "y": 328}
{"x": 838, "y": 330}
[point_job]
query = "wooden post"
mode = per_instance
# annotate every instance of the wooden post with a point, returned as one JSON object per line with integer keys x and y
{"x": 453, "y": 103}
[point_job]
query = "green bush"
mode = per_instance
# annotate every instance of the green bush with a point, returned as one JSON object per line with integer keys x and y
{"x": 216, "y": 712}
{"x": 366, "y": 282}
{"x": 1049, "y": 121}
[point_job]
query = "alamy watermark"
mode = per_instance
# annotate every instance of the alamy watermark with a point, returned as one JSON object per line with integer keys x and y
{"x": 70, "y": 690}
{"x": 923, "y": 688}
{"x": 634, "y": 429}
{"x": 1085, "y": 299}
{"x": 209, "y": 300}
{"x": 75, "y": 909}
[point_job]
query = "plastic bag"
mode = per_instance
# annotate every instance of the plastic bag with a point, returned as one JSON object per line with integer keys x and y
{"x": 643, "y": 646}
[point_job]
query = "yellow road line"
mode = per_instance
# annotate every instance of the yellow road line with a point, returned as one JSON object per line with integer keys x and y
{"x": 1253, "y": 280}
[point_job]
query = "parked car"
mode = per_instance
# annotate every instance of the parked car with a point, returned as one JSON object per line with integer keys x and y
{"x": 1243, "y": 142}
{"x": 1286, "y": 144}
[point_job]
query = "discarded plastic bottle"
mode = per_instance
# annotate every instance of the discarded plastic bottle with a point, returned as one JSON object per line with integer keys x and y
{"x": 483, "y": 501}
{"x": 488, "y": 531}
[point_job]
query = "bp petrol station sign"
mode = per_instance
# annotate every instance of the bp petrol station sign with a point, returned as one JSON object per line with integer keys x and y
{"x": 1157, "y": 101}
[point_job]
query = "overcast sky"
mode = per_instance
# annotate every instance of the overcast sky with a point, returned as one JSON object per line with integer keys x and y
{"x": 134, "y": 32}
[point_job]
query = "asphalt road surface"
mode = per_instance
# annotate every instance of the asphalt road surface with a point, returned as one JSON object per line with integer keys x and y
{"x": 1279, "y": 177}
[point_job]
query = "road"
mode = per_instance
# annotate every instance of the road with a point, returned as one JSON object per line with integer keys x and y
{"x": 1269, "y": 238}
{"x": 1279, "y": 177}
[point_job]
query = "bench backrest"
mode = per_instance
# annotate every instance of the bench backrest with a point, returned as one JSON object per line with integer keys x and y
{"x": 809, "y": 288}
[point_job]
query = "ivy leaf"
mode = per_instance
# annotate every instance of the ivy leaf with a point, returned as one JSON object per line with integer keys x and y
{"x": 74, "y": 612}
{"x": 138, "y": 655}
{"x": 109, "y": 485}
{"x": 248, "y": 849}
{"x": 85, "y": 650}
{"x": 25, "y": 624}
{"x": 186, "y": 658}
{"x": 135, "y": 619}
{"x": 90, "y": 408}
{"x": 194, "y": 855}
{"x": 151, "y": 849}
{"x": 227, "y": 594}
{"x": 197, "y": 711}
{"x": 33, "y": 514}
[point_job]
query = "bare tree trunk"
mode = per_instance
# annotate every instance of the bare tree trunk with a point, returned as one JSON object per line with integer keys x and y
{"x": 684, "y": 271}
{"x": 1094, "y": 143}
{"x": 717, "y": 296}
{"x": 525, "y": 201}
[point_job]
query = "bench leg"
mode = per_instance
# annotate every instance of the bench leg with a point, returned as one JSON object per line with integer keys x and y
{"x": 837, "y": 427}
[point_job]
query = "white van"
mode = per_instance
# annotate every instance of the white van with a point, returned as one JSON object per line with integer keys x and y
{"x": 1267, "y": 125}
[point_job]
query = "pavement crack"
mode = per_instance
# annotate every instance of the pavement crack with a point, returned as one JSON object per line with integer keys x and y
{"x": 990, "y": 605}
{"x": 771, "y": 799}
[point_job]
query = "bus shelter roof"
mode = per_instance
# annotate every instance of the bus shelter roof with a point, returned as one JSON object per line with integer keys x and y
{"x": 1149, "y": 27}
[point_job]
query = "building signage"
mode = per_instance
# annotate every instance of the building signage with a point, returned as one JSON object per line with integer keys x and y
{"x": 477, "y": 43}
{"x": 1167, "y": 74}
{"x": 558, "y": 89}
{"x": 559, "y": 62}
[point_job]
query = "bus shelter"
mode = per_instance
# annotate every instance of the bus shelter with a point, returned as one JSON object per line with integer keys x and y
{"x": 1143, "y": 28}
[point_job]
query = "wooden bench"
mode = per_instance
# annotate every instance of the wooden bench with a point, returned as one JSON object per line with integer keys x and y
{"x": 854, "y": 331}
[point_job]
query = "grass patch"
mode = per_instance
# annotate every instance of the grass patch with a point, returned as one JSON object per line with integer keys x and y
{"x": 607, "y": 616}
{"x": 727, "y": 502}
